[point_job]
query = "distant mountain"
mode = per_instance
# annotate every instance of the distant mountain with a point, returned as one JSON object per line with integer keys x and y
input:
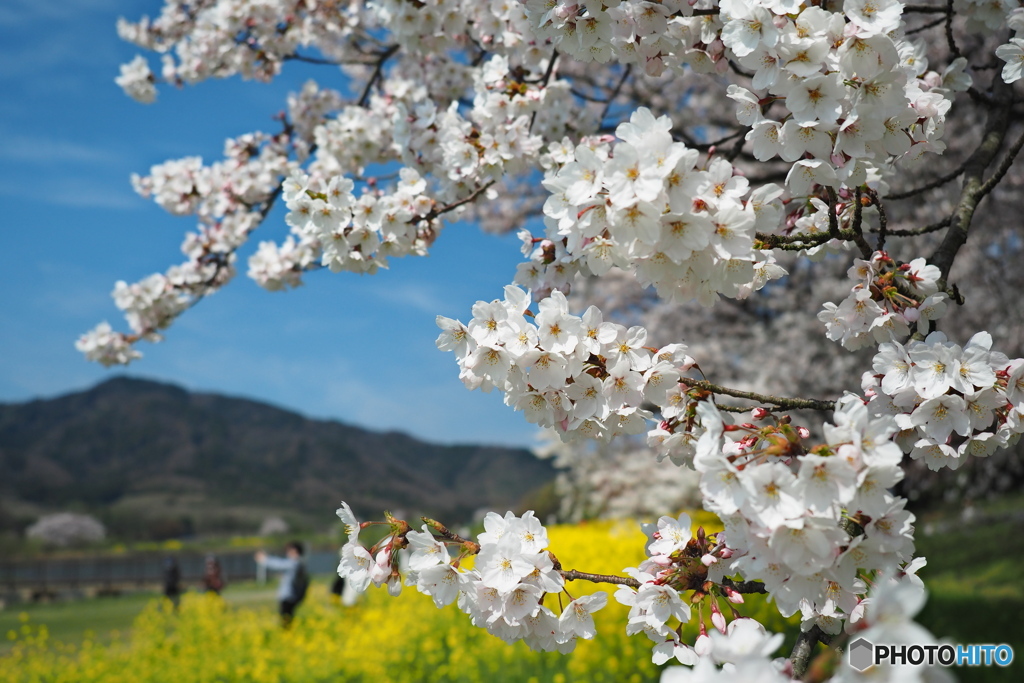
{"x": 144, "y": 453}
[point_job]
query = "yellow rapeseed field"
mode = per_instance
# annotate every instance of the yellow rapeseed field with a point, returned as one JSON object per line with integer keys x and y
{"x": 380, "y": 639}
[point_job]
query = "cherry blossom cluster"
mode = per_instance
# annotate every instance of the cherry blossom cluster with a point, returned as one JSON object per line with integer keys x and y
{"x": 137, "y": 80}
{"x": 212, "y": 39}
{"x": 676, "y": 564}
{"x": 806, "y": 523}
{"x": 229, "y": 198}
{"x": 359, "y": 234}
{"x": 885, "y": 301}
{"x": 462, "y": 151}
{"x": 646, "y": 205}
{"x": 855, "y": 93}
{"x": 949, "y": 401}
{"x": 503, "y": 593}
{"x": 582, "y": 376}
{"x": 435, "y": 25}
{"x": 743, "y": 648}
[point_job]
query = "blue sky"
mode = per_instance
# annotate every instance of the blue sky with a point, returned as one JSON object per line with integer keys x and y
{"x": 357, "y": 349}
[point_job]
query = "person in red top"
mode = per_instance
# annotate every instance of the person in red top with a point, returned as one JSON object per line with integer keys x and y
{"x": 213, "y": 578}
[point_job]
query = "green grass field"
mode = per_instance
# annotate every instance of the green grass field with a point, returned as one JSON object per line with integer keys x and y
{"x": 68, "y": 622}
{"x": 975, "y": 577}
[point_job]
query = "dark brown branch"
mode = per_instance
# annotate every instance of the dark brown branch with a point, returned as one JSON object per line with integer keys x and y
{"x": 931, "y": 227}
{"x": 615, "y": 93}
{"x": 925, "y": 27}
{"x": 883, "y": 223}
{"x": 858, "y": 216}
{"x": 378, "y": 71}
{"x": 745, "y": 586}
{"x": 801, "y": 655}
{"x": 833, "y": 219}
{"x": 543, "y": 81}
{"x": 1004, "y": 166}
{"x": 440, "y": 210}
{"x": 327, "y": 62}
{"x": 780, "y": 401}
{"x": 950, "y": 41}
{"x": 924, "y": 9}
{"x": 938, "y": 182}
{"x": 971, "y": 192}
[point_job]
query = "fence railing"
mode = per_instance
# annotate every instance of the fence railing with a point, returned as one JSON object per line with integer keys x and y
{"x": 136, "y": 570}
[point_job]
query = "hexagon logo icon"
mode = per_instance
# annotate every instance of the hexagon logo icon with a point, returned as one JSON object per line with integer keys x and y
{"x": 862, "y": 654}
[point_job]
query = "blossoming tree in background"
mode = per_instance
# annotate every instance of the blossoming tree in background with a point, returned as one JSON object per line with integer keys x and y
{"x": 711, "y": 152}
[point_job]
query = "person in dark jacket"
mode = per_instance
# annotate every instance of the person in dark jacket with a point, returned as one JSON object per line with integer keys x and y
{"x": 172, "y": 581}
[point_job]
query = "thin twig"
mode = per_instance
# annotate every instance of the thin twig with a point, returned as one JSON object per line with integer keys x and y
{"x": 543, "y": 82}
{"x": 950, "y": 41}
{"x": 1004, "y": 166}
{"x": 378, "y": 71}
{"x": 932, "y": 227}
{"x": 925, "y": 27}
{"x": 437, "y": 211}
{"x": 938, "y": 182}
{"x": 615, "y": 93}
{"x": 924, "y": 9}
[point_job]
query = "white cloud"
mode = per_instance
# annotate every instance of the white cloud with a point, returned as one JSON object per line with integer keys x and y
{"x": 36, "y": 150}
{"x": 416, "y": 296}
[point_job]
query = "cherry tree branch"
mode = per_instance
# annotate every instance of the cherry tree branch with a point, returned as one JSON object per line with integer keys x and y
{"x": 745, "y": 586}
{"x": 778, "y": 401}
{"x": 615, "y": 93}
{"x": 573, "y": 575}
{"x": 801, "y": 655}
{"x": 938, "y": 182}
{"x": 440, "y": 210}
{"x": 378, "y": 71}
{"x": 925, "y": 9}
{"x": 972, "y": 191}
{"x": 911, "y": 232}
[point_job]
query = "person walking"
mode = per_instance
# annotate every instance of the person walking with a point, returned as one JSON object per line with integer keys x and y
{"x": 172, "y": 581}
{"x": 291, "y": 589}
{"x": 213, "y": 577}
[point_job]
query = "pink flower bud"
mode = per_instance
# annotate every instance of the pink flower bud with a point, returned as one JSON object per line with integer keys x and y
{"x": 803, "y": 432}
{"x": 702, "y": 646}
{"x": 733, "y": 595}
{"x": 709, "y": 560}
{"x": 661, "y": 560}
{"x": 758, "y": 414}
{"x": 717, "y": 618}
